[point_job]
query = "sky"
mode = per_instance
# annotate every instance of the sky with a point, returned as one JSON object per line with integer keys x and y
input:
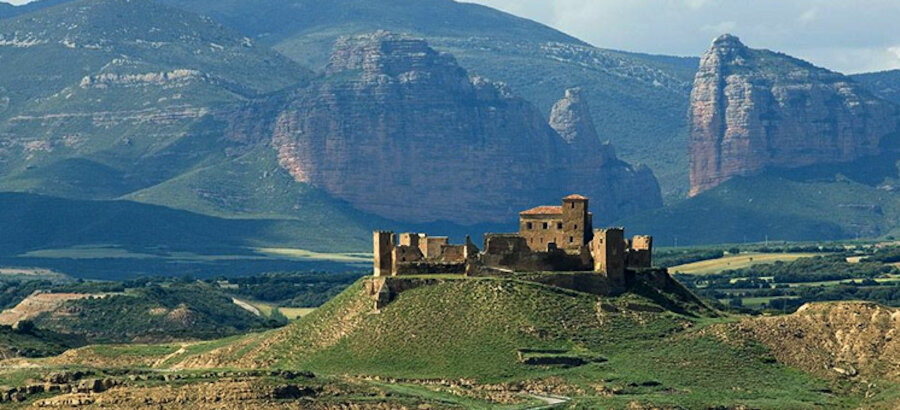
{"x": 849, "y": 36}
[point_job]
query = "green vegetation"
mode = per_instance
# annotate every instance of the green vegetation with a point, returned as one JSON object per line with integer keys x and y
{"x": 883, "y": 84}
{"x": 291, "y": 290}
{"x": 819, "y": 203}
{"x": 152, "y": 313}
{"x": 27, "y": 341}
{"x": 616, "y": 350}
{"x": 788, "y": 284}
{"x": 595, "y": 351}
{"x": 736, "y": 261}
{"x": 673, "y": 257}
{"x": 633, "y": 96}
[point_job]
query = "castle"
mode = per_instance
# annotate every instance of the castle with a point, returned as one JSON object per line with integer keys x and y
{"x": 550, "y": 239}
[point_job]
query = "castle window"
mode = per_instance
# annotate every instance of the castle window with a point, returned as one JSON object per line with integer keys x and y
{"x": 575, "y": 227}
{"x": 546, "y": 225}
{"x": 571, "y": 239}
{"x": 573, "y": 205}
{"x": 559, "y": 225}
{"x": 529, "y": 226}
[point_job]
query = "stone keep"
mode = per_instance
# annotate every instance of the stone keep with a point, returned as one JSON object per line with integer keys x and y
{"x": 608, "y": 250}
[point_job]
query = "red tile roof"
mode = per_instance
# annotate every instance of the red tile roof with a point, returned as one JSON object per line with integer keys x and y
{"x": 576, "y": 196}
{"x": 543, "y": 210}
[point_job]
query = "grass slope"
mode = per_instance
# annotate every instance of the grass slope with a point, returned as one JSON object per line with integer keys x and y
{"x": 741, "y": 261}
{"x": 129, "y": 94}
{"x": 34, "y": 343}
{"x": 475, "y": 328}
{"x": 154, "y": 313}
{"x": 816, "y": 204}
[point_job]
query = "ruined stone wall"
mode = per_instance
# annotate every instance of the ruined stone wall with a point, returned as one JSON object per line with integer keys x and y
{"x": 519, "y": 259}
{"x": 432, "y": 246}
{"x": 409, "y": 239}
{"x": 404, "y": 255}
{"x": 639, "y": 259}
{"x": 431, "y": 268}
{"x": 383, "y": 247}
{"x": 641, "y": 253}
{"x": 608, "y": 250}
{"x": 453, "y": 254}
{"x": 499, "y": 243}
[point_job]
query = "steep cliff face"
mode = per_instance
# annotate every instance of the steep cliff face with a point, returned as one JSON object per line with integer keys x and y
{"x": 401, "y": 130}
{"x": 754, "y": 109}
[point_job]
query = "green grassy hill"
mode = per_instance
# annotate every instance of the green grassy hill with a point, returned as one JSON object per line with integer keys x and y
{"x": 33, "y": 342}
{"x": 32, "y": 222}
{"x": 485, "y": 342}
{"x": 601, "y": 351}
{"x": 129, "y": 94}
{"x": 152, "y": 314}
{"x": 819, "y": 203}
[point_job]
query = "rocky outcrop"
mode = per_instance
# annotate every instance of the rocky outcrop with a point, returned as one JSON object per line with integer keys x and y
{"x": 841, "y": 339}
{"x": 401, "y": 130}
{"x": 755, "y": 109}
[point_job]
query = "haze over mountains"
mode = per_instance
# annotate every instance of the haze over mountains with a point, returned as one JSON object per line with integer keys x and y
{"x": 255, "y": 113}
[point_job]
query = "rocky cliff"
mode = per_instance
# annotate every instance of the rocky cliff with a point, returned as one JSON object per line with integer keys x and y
{"x": 401, "y": 130}
{"x": 754, "y": 109}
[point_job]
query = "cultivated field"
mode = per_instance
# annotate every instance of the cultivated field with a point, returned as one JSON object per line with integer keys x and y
{"x": 36, "y": 304}
{"x": 741, "y": 261}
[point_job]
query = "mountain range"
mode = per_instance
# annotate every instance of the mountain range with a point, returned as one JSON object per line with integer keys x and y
{"x": 338, "y": 117}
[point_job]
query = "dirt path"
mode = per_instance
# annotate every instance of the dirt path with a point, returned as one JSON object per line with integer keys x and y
{"x": 552, "y": 401}
{"x": 246, "y": 306}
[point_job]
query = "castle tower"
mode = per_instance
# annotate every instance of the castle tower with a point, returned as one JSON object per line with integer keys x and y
{"x": 641, "y": 253}
{"x": 409, "y": 239}
{"x": 576, "y": 222}
{"x": 383, "y": 246}
{"x": 608, "y": 250}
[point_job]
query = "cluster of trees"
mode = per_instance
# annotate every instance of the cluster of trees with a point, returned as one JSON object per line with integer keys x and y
{"x": 674, "y": 257}
{"x": 155, "y": 313}
{"x": 888, "y": 255}
{"x": 774, "y": 280}
{"x": 291, "y": 289}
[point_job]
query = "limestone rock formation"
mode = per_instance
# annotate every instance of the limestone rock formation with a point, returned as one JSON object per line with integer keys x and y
{"x": 401, "y": 130}
{"x": 571, "y": 118}
{"x": 754, "y": 109}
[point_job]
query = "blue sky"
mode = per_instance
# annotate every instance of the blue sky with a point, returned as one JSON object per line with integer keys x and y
{"x": 845, "y": 35}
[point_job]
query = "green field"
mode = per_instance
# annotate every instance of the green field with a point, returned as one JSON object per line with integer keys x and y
{"x": 732, "y": 262}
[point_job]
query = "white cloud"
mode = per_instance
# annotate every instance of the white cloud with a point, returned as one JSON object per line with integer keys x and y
{"x": 837, "y": 34}
{"x": 721, "y": 28}
{"x": 696, "y": 4}
{"x": 895, "y": 51}
{"x": 809, "y": 16}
